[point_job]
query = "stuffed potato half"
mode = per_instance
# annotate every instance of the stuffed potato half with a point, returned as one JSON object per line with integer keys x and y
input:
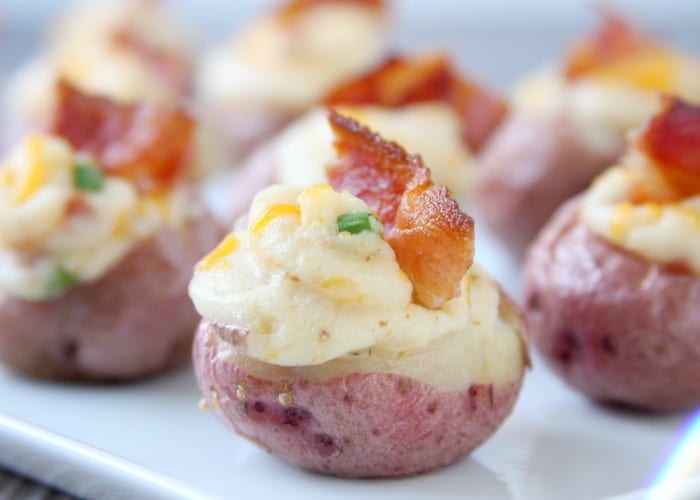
{"x": 611, "y": 283}
{"x": 333, "y": 342}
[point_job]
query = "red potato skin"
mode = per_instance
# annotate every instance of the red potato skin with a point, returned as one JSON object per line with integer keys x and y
{"x": 529, "y": 167}
{"x": 361, "y": 425}
{"x": 135, "y": 321}
{"x": 613, "y": 326}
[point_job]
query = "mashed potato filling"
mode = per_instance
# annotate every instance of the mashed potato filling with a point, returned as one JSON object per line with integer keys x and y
{"x": 302, "y": 152}
{"x": 64, "y": 222}
{"x": 662, "y": 232}
{"x": 288, "y": 64}
{"x": 603, "y": 105}
{"x": 309, "y": 294}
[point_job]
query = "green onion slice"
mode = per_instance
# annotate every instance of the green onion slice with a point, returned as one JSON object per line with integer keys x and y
{"x": 87, "y": 177}
{"x": 61, "y": 281}
{"x": 357, "y": 222}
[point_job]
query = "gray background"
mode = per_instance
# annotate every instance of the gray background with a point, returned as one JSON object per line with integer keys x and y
{"x": 493, "y": 40}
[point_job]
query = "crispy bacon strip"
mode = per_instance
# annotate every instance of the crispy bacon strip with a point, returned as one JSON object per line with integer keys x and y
{"x": 672, "y": 138}
{"x": 400, "y": 81}
{"x": 293, "y": 8}
{"x": 146, "y": 143}
{"x": 433, "y": 240}
{"x": 615, "y": 39}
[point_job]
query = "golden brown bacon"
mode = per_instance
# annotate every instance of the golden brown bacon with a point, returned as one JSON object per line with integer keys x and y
{"x": 433, "y": 240}
{"x": 672, "y": 139}
{"x": 293, "y": 8}
{"x": 614, "y": 40}
{"x": 146, "y": 143}
{"x": 400, "y": 81}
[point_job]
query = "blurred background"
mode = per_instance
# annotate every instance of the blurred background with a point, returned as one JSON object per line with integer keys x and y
{"x": 494, "y": 41}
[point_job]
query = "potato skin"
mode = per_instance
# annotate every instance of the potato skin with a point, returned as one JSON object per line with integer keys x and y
{"x": 361, "y": 425}
{"x": 529, "y": 167}
{"x": 615, "y": 327}
{"x": 135, "y": 321}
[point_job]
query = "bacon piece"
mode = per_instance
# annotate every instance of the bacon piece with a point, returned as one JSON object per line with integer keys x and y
{"x": 293, "y": 8}
{"x": 672, "y": 139}
{"x": 146, "y": 143}
{"x": 615, "y": 39}
{"x": 399, "y": 82}
{"x": 433, "y": 240}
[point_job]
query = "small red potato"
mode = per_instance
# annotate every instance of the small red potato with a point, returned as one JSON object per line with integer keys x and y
{"x": 410, "y": 399}
{"x": 612, "y": 325}
{"x": 349, "y": 425}
{"x": 136, "y": 320}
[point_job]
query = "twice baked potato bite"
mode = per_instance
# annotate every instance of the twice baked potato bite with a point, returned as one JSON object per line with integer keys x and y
{"x": 569, "y": 123}
{"x": 347, "y": 330}
{"x": 612, "y": 283}
{"x": 280, "y": 64}
{"x": 98, "y": 236}
{"x": 421, "y": 102}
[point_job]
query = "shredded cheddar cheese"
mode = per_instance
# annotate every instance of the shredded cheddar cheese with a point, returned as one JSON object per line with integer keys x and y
{"x": 654, "y": 70}
{"x": 121, "y": 225}
{"x": 36, "y": 175}
{"x": 272, "y": 213}
{"x": 343, "y": 290}
{"x": 225, "y": 248}
{"x": 336, "y": 282}
{"x": 620, "y": 219}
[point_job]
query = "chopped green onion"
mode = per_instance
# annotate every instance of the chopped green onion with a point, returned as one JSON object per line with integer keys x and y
{"x": 357, "y": 222}
{"x": 61, "y": 281}
{"x": 87, "y": 177}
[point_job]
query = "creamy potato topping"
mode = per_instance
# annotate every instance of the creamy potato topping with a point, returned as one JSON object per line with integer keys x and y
{"x": 289, "y": 64}
{"x": 663, "y": 232}
{"x": 301, "y": 153}
{"x": 308, "y": 292}
{"x": 603, "y": 105}
{"x": 63, "y": 221}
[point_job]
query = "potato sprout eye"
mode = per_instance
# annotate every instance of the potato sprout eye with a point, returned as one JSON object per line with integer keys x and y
{"x": 61, "y": 281}
{"x": 87, "y": 177}
{"x": 357, "y": 222}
